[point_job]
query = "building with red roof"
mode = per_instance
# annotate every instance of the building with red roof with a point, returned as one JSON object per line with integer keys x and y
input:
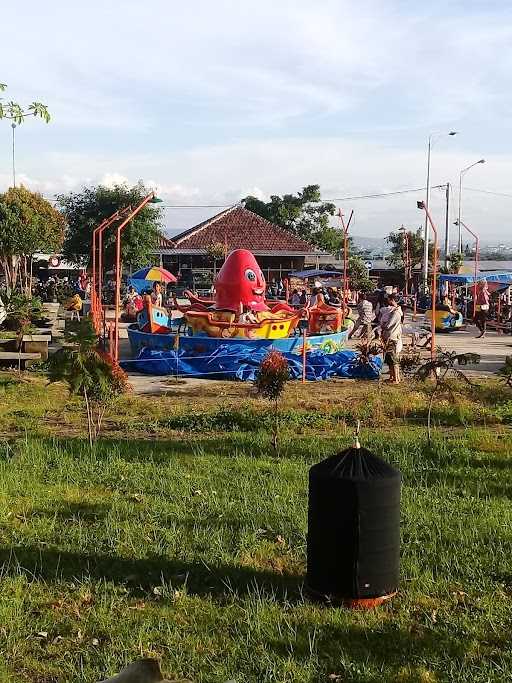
{"x": 277, "y": 251}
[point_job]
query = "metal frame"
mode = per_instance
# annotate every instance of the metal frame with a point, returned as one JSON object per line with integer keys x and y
{"x": 114, "y": 352}
{"x": 460, "y": 223}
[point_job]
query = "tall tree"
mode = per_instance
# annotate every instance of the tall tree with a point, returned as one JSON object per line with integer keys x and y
{"x": 396, "y": 241}
{"x": 28, "y": 224}
{"x": 304, "y": 214}
{"x": 14, "y": 111}
{"x": 358, "y": 276}
{"x": 85, "y": 210}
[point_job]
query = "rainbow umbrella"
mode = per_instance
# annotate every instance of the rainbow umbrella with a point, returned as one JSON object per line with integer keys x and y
{"x": 142, "y": 280}
{"x": 155, "y": 274}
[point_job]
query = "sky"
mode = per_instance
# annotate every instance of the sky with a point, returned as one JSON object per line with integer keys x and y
{"x": 210, "y": 101}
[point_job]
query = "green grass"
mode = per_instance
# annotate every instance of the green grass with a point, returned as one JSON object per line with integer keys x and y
{"x": 183, "y": 537}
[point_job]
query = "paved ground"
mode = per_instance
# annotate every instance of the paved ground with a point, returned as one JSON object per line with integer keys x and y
{"x": 493, "y": 349}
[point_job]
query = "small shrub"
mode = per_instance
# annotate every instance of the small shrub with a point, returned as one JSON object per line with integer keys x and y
{"x": 270, "y": 383}
{"x": 89, "y": 372}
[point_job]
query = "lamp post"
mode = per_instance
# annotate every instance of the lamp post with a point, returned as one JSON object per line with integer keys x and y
{"x": 431, "y": 140}
{"x": 151, "y": 197}
{"x": 461, "y": 176}
{"x": 423, "y": 206}
{"x": 13, "y": 126}
{"x": 477, "y": 259}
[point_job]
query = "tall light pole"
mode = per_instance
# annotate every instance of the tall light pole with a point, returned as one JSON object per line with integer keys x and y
{"x": 13, "y": 126}
{"x": 461, "y": 176}
{"x": 431, "y": 140}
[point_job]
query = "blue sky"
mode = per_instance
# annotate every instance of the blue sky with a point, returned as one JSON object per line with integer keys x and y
{"x": 210, "y": 101}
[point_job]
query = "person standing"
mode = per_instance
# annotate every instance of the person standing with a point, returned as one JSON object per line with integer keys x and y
{"x": 482, "y": 305}
{"x": 295, "y": 299}
{"x": 391, "y": 324}
{"x": 365, "y": 318}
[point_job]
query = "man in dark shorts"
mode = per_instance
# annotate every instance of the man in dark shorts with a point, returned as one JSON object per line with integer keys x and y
{"x": 391, "y": 324}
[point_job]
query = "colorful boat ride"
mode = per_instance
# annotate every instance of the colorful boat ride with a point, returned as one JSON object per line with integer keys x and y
{"x": 239, "y": 314}
{"x": 446, "y": 321}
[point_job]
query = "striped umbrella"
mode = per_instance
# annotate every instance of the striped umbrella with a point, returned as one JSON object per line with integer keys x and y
{"x": 154, "y": 274}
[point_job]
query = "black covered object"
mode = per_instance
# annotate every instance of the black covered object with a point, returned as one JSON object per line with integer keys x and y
{"x": 353, "y": 526}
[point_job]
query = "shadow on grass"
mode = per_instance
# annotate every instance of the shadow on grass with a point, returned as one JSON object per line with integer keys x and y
{"x": 408, "y": 654}
{"x": 163, "y": 450}
{"x": 220, "y": 581}
{"x": 86, "y": 512}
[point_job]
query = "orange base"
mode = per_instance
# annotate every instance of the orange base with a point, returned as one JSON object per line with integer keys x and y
{"x": 349, "y": 603}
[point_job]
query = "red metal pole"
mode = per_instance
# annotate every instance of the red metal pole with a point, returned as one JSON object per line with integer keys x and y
{"x": 93, "y": 247}
{"x": 477, "y": 262}
{"x": 421, "y": 205}
{"x": 407, "y": 264}
{"x": 345, "y": 257}
{"x": 304, "y": 356}
{"x": 120, "y": 228}
{"x": 100, "y": 230}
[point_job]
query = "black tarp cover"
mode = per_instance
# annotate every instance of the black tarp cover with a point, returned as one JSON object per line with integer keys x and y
{"x": 354, "y": 526}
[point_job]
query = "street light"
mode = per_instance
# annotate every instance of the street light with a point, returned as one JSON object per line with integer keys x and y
{"x": 13, "y": 126}
{"x": 461, "y": 175}
{"x": 423, "y": 207}
{"x": 431, "y": 140}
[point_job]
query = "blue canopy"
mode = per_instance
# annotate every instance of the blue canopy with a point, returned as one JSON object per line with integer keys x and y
{"x": 302, "y": 274}
{"x": 468, "y": 279}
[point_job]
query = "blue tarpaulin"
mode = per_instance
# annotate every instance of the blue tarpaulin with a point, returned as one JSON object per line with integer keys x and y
{"x": 468, "y": 279}
{"x": 238, "y": 362}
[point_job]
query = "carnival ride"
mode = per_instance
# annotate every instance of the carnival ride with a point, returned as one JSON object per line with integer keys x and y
{"x": 240, "y": 318}
{"x": 446, "y": 320}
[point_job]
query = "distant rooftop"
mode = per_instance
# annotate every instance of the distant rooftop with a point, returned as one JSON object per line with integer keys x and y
{"x": 238, "y": 228}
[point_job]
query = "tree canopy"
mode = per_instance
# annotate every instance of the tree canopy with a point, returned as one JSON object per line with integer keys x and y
{"x": 18, "y": 113}
{"x": 85, "y": 210}
{"x": 304, "y": 215}
{"x": 28, "y": 224}
{"x": 358, "y": 276}
{"x": 396, "y": 240}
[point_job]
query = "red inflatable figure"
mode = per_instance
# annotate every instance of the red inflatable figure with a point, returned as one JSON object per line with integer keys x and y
{"x": 240, "y": 284}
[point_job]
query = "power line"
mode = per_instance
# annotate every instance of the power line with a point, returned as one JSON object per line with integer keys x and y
{"x": 376, "y": 196}
{"x": 196, "y": 206}
{"x": 497, "y": 194}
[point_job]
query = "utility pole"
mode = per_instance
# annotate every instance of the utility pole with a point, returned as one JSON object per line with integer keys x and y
{"x": 13, "y": 126}
{"x": 447, "y": 227}
{"x": 425, "y": 229}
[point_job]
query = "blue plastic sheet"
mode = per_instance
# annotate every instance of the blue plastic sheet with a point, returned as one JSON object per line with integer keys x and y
{"x": 237, "y": 362}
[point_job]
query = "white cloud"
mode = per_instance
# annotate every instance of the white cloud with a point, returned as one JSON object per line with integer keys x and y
{"x": 212, "y": 101}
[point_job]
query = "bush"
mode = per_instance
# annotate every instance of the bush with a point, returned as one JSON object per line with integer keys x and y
{"x": 22, "y": 310}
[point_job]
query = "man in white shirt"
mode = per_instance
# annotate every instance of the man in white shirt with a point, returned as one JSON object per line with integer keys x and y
{"x": 391, "y": 324}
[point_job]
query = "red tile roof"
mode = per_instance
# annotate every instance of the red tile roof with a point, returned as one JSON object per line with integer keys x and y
{"x": 165, "y": 243}
{"x": 240, "y": 228}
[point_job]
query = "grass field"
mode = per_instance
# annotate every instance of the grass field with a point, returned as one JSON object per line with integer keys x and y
{"x": 182, "y": 536}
